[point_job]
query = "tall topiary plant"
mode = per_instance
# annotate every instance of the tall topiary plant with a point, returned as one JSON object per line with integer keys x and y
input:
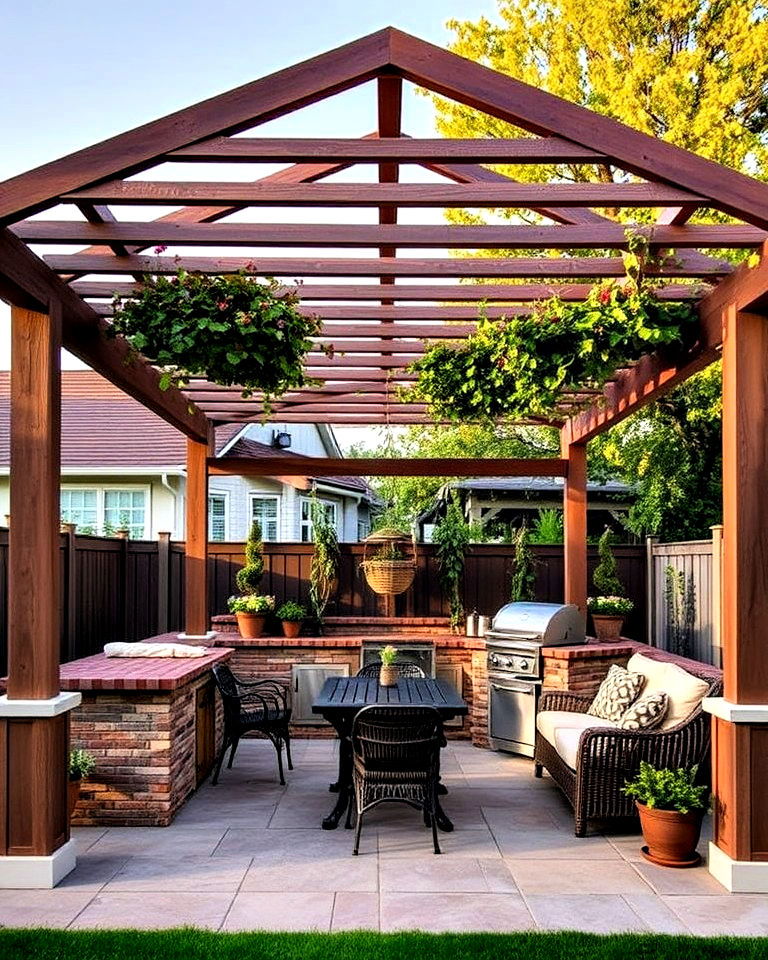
{"x": 606, "y": 577}
{"x": 452, "y": 537}
{"x": 324, "y": 570}
{"x": 523, "y": 575}
{"x": 249, "y": 577}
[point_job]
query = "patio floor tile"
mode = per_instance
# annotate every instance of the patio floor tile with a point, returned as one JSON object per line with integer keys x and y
{"x": 166, "y": 842}
{"x": 585, "y": 876}
{"x": 454, "y": 912}
{"x": 355, "y": 911}
{"x": 161, "y": 910}
{"x": 201, "y": 874}
{"x": 432, "y": 874}
{"x": 85, "y": 837}
{"x": 594, "y": 913}
{"x": 402, "y": 841}
{"x": 695, "y": 881}
{"x": 536, "y": 843}
{"x": 737, "y": 915}
{"x": 655, "y": 914}
{"x": 93, "y": 870}
{"x": 42, "y": 908}
{"x": 345, "y": 873}
{"x": 280, "y": 911}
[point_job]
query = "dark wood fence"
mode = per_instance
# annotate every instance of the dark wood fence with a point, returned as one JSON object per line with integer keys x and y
{"x": 115, "y": 589}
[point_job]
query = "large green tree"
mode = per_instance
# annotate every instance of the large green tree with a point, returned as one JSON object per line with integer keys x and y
{"x": 693, "y": 72}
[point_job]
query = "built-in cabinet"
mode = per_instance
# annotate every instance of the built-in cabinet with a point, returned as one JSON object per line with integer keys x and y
{"x": 453, "y": 674}
{"x": 307, "y": 680}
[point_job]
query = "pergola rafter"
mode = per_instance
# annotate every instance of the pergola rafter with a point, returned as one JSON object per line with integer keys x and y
{"x": 376, "y": 316}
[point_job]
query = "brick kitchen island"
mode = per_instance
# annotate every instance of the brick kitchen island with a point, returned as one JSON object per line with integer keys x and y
{"x": 153, "y": 726}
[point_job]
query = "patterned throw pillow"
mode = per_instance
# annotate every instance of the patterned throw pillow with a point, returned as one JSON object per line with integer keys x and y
{"x": 619, "y": 689}
{"x": 646, "y": 713}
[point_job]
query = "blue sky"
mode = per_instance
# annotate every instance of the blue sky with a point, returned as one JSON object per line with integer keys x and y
{"x": 81, "y": 71}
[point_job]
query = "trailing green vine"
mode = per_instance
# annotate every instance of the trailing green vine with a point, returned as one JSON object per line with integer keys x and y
{"x": 523, "y": 569}
{"x": 231, "y": 329}
{"x": 324, "y": 569}
{"x": 452, "y": 538}
{"x": 520, "y": 366}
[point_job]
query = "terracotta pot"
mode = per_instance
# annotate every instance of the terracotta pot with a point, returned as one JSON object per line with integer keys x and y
{"x": 291, "y": 628}
{"x": 73, "y": 795}
{"x": 607, "y": 627}
{"x": 388, "y": 675}
{"x": 671, "y": 837}
{"x": 250, "y": 625}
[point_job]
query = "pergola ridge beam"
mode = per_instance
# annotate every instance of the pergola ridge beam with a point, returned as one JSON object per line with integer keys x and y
{"x": 386, "y": 467}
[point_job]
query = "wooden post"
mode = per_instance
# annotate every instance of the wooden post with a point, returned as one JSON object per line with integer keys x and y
{"x": 70, "y": 586}
{"x": 34, "y": 733}
{"x": 163, "y": 580}
{"x": 739, "y": 856}
{"x": 650, "y": 592}
{"x": 196, "y": 620}
{"x": 575, "y": 524}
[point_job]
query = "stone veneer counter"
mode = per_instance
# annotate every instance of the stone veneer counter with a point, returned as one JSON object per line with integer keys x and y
{"x": 153, "y": 726}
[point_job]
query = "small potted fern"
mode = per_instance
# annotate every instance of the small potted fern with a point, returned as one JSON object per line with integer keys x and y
{"x": 389, "y": 671}
{"x": 671, "y": 807}
{"x": 81, "y": 765}
{"x": 292, "y": 615}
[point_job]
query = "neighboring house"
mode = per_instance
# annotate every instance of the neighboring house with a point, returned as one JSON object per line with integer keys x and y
{"x": 122, "y": 466}
{"x": 501, "y": 502}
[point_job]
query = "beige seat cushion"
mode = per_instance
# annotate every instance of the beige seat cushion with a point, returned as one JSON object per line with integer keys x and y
{"x": 564, "y": 729}
{"x": 685, "y": 692}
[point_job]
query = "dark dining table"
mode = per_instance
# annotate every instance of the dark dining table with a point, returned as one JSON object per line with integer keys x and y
{"x": 342, "y": 697}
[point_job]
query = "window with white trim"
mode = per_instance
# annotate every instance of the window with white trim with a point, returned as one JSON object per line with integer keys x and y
{"x": 331, "y": 513}
{"x": 218, "y": 516}
{"x": 265, "y": 508}
{"x": 105, "y": 510}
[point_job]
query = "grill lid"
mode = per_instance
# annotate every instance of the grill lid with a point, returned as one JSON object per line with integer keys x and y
{"x": 551, "y": 624}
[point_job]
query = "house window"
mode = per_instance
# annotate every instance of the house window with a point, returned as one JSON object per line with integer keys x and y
{"x": 266, "y": 509}
{"x": 363, "y": 529}
{"x": 104, "y": 510}
{"x": 81, "y": 507}
{"x": 306, "y": 517}
{"x": 217, "y": 516}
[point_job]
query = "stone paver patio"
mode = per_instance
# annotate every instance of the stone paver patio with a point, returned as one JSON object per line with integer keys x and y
{"x": 249, "y": 854}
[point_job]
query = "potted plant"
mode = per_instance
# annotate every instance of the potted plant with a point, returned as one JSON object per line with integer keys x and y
{"x": 251, "y": 611}
{"x": 389, "y": 672}
{"x": 292, "y": 615}
{"x": 81, "y": 764}
{"x": 671, "y": 808}
{"x": 608, "y": 615}
{"x": 610, "y": 606}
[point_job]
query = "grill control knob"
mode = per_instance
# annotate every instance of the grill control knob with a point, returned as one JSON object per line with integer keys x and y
{"x": 494, "y": 659}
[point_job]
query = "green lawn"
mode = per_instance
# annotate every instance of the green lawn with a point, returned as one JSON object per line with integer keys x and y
{"x": 198, "y": 945}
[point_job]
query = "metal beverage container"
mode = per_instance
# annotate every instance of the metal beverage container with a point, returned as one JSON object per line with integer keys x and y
{"x": 482, "y": 625}
{"x": 472, "y": 624}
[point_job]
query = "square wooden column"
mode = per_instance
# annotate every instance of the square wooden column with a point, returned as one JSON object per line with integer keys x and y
{"x": 739, "y": 856}
{"x": 196, "y": 619}
{"x": 34, "y": 727}
{"x": 575, "y": 523}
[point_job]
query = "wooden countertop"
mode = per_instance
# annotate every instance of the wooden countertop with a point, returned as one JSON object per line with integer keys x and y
{"x": 137, "y": 673}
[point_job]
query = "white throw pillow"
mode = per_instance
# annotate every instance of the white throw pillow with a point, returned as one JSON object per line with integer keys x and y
{"x": 684, "y": 691}
{"x": 617, "y": 692}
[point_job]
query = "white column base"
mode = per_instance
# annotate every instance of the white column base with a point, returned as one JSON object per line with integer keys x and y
{"x": 38, "y": 873}
{"x": 59, "y": 704}
{"x": 210, "y": 635}
{"x": 738, "y": 876}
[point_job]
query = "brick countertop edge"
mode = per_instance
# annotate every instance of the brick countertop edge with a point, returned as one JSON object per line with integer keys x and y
{"x": 137, "y": 673}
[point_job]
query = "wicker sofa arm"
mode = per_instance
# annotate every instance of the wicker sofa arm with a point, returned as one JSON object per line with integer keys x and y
{"x": 565, "y": 700}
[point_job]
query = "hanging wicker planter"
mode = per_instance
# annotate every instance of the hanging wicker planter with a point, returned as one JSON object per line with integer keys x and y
{"x": 389, "y": 561}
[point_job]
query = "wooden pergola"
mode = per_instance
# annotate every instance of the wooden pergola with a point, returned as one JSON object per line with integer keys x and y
{"x": 377, "y": 303}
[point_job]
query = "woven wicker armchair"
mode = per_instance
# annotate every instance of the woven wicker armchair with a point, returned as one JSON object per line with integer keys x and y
{"x": 396, "y": 758}
{"x": 260, "y": 705}
{"x": 404, "y": 669}
{"x": 607, "y": 758}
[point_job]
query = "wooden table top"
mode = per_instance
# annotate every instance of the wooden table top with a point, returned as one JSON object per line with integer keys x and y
{"x": 350, "y": 694}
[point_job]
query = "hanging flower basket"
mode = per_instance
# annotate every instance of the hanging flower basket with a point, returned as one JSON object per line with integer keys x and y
{"x": 229, "y": 330}
{"x": 389, "y": 561}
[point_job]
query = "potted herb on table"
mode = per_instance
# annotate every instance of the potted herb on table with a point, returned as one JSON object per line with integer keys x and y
{"x": 671, "y": 808}
{"x": 292, "y": 615}
{"x": 81, "y": 765}
{"x": 389, "y": 671}
{"x": 610, "y": 607}
{"x": 251, "y": 611}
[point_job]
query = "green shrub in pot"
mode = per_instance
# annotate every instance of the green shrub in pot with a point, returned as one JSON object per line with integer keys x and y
{"x": 254, "y": 603}
{"x": 291, "y": 612}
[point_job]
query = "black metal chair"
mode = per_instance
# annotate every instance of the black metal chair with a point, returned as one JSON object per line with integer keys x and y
{"x": 396, "y": 759}
{"x": 404, "y": 669}
{"x": 260, "y": 705}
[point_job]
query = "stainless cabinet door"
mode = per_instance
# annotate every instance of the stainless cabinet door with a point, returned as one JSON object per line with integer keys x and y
{"x": 307, "y": 680}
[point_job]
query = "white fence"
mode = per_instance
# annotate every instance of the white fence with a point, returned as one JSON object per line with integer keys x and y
{"x": 697, "y": 566}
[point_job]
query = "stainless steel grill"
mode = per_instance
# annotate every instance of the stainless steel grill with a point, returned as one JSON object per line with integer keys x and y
{"x": 515, "y": 667}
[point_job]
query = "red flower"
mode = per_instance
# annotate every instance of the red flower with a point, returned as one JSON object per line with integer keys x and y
{"x": 161, "y": 249}
{"x": 222, "y": 304}
{"x": 605, "y": 296}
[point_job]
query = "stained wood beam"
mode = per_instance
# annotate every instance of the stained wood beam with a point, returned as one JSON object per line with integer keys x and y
{"x": 388, "y": 192}
{"x": 746, "y": 289}
{"x": 387, "y": 149}
{"x": 26, "y": 281}
{"x": 448, "y": 294}
{"x": 394, "y": 467}
{"x": 459, "y": 267}
{"x": 575, "y": 525}
{"x": 413, "y": 236}
{"x": 542, "y": 113}
{"x": 231, "y": 112}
